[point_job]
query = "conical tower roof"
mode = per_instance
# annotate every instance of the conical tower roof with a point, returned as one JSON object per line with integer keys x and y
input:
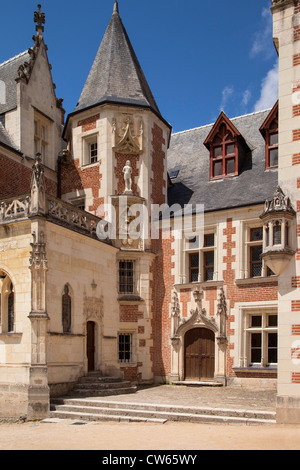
{"x": 116, "y": 76}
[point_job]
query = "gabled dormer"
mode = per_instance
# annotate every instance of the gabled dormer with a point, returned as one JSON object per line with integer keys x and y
{"x": 35, "y": 118}
{"x": 269, "y": 131}
{"x": 227, "y": 148}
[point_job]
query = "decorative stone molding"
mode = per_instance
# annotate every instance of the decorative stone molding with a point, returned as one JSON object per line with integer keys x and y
{"x": 222, "y": 314}
{"x": 175, "y": 313}
{"x": 278, "y": 203}
{"x": 125, "y": 142}
{"x": 198, "y": 317}
{"x": 14, "y": 209}
{"x": 38, "y": 259}
{"x": 281, "y": 2}
{"x": 93, "y": 308}
{"x": 124, "y": 238}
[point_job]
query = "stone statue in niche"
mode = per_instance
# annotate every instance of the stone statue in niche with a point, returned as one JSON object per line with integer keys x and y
{"x": 127, "y": 170}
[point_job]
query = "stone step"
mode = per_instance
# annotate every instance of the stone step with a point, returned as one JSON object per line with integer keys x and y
{"x": 194, "y": 383}
{"x": 99, "y": 378}
{"x": 103, "y": 392}
{"x": 99, "y": 385}
{"x": 98, "y": 409}
{"x": 96, "y": 385}
{"x": 85, "y": 416}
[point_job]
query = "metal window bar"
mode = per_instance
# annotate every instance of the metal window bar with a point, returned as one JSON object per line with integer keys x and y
{"x": 126, "y": 279}
{"x": 125, "y": 347}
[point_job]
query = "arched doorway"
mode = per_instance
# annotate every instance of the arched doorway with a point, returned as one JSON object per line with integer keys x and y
{"x": 91, "y": 345}
{"x": 199, "y": 354}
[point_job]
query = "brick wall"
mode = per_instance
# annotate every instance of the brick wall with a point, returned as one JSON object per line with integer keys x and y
{"x": 130, "y": 313}
{"x": 158, "y": 163}
{"x": 73, "y": 178}
{"x": 89, "y": 123}
{"x": 163, "y": 280}
{"x": 16, "y": 178}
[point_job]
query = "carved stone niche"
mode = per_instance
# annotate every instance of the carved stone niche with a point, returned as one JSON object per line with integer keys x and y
{"x": 278, "y": 220}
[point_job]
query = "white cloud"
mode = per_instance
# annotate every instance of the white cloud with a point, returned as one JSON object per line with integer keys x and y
{"x": 269, "y": 90}
{"x": 262, "y": 43}
{"x": 246, "y": 97}
{"x": 226, "y": 95}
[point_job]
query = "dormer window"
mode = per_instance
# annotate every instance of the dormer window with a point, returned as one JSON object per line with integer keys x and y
{"x": 269, "y": 131}
{"x": 225, "y": 143}
{"x": 224, "y": 158}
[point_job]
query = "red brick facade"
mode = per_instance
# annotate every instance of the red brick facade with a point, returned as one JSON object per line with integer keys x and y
{"x": 74, "y": 177}
{"x": 16, "y": 178}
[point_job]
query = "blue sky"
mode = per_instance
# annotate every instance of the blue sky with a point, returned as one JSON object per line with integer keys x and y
{"x": 199, "y": 57}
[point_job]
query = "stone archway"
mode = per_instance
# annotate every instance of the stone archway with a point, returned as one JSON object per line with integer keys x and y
{"x": 211, "y": 328}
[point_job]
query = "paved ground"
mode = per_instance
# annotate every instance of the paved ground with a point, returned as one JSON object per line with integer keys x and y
{"x": 72, "y": 435}
{"x": 216, "y": 397}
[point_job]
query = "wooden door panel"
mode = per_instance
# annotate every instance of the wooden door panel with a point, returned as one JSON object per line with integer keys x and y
{"x": 199, "y": 350}
{"x": 91, "y": 345}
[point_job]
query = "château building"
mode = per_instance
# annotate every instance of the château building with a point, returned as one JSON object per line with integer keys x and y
{"x": 213, "y": 298}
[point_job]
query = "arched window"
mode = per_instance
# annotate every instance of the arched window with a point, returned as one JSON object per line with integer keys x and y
{"x": 11, "y": 310}
{"x": 7, "y": 301}
{"x": 66, "y": 310}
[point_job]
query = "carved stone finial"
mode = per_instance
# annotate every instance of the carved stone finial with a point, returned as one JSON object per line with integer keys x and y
{"x": 39, "y": 19}
{"x": 116, "y": 7}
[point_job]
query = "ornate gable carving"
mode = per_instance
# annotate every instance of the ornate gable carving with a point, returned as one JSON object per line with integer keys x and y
{"x": 125, "y": 142}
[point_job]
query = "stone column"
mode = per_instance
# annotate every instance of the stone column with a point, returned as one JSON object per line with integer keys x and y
{"x": 38, "y": 393}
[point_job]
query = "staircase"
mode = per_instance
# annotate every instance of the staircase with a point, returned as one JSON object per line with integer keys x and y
{"x": 95, "y": 385}
{"x": 98, "y": 409}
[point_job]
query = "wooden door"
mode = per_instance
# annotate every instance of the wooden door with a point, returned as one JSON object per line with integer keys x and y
{"x": 199, "y": 351}
{"x": 91, "y": 345}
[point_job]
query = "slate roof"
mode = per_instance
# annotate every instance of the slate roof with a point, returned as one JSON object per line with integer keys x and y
{"x": 6, "y": 140}
{"x": 8, "y": 74}
{"x": 116, "y": 75}
{"x": 187, "y": 154}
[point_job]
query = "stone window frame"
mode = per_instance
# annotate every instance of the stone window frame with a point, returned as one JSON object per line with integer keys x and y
{"x": 247, "y": 244}
{"x": 246, "y": 331}
{"x": 42, "y": 130}
{"x": 7, "y": 324}
{"x": 201, "y": 250}
{"x": 88, "y": 139}
{"x": 134, "y": 289}
{"x": 133, "y": 346}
